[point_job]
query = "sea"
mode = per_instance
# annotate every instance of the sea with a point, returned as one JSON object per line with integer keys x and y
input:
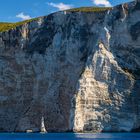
{"x": 69, "y": 136}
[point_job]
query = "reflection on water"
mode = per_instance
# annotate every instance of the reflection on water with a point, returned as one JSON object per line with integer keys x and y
{"x": 69, "y": 136}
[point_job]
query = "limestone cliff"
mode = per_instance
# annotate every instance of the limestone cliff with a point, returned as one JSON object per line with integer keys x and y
{"x": 79, "y": 71}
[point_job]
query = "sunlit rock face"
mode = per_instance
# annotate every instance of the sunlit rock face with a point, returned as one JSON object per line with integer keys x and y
{"x": 75, "y": 71}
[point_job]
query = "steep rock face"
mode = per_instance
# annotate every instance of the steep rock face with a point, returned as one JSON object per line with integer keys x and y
{"x": 79, "y": 71}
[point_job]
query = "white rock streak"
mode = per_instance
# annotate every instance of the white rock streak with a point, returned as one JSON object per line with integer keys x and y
{"x": 107, "y": 35}
{"x": 123, "y": 13}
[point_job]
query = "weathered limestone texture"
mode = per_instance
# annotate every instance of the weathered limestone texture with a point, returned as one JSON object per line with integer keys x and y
{"x": 79, "y": 71}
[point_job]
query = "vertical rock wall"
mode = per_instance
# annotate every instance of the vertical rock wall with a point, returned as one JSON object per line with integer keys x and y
{"x": 79, "y": 71}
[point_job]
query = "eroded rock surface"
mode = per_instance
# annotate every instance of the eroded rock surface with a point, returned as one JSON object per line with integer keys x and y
{"x": 79, "y": 71}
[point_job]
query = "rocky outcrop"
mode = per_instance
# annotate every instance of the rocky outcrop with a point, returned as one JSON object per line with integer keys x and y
{"x": 79, "y": 71}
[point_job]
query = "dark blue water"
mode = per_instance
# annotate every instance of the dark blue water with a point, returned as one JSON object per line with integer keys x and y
{"x": 70, "y": 136}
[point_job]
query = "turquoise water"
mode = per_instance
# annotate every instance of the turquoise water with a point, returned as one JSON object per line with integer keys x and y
{"x": 70, "y": 136}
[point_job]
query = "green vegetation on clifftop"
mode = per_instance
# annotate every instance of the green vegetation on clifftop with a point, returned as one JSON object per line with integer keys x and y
{"x": 5, "y": 26}
{"x": 90, "y": 9}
